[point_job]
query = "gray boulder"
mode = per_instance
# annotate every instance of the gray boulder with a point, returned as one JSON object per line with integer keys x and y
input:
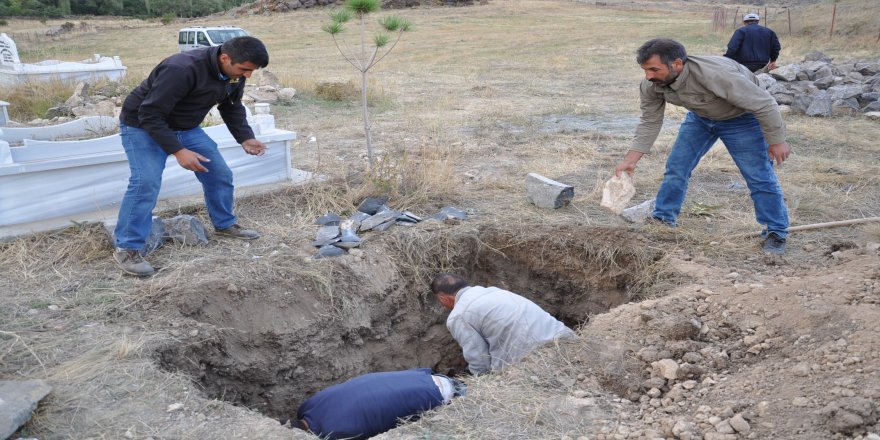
{"x": 867, "y": 68}
{"x": 765, "y": 80}
{"x": 379, "y": 218}
{"x": 186, "y": 229}
{"x": 853, "y": 78}
{"x": 844, "y": 107}
{"x": 372, "y": 205}
{"x": 326, "y": 235}
{"x": 815, "y": 55}
{"x": 813, "y": 66}
{"x": 823, "y": 72}
{"x": 786, "y": 73}
{"x": 329, "y": 251}
{"x": 800, "y": 103}
{"x": 776, "y": 87}
{"x": 18, "y": 400}
{"x": 449, "y": 213}
{"x": 783, "y": 98}
{"x": 846, "y": 91}
{"x": 821, "y": 105}
{"x": 872, "y": 107}
{"x": 824, "y": 82}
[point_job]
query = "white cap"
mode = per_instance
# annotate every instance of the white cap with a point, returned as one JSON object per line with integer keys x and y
{"x": 752, "y": 17}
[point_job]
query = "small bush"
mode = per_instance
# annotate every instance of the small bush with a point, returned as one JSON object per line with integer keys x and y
{"x": 168, "y": 18}
{"x": 4, "y": 22}
{"x": 68, "y": 26}
{"x": 336, "y": 90}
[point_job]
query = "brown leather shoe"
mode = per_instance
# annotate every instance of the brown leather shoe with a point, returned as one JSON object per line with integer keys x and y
{"x": 236, "y": 231}
{"x": 132, "y": 263}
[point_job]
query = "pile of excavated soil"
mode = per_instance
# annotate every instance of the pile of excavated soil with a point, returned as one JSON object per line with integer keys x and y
{"x": 775, "y": 352}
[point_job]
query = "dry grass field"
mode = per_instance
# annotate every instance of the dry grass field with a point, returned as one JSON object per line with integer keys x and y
{"x": 468, "y": 103}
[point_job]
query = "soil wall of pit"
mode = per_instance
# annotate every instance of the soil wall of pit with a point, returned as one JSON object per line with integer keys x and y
{"x": 268, "y": 342}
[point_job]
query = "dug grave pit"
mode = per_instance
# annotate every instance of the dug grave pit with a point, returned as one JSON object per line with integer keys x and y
{"x": 270, "y": 341}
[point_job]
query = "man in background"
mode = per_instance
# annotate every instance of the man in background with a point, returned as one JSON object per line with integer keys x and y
{"x": 494, "y": 327}
{"x": 753, "y": 45}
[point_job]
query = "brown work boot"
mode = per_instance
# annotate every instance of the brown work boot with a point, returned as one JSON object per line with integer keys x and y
{"x": 236, "y": 231}
{"x": 132, "y": 263}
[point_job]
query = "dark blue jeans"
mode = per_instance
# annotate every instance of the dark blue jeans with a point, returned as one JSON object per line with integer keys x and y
{"x": 745, "y": 142}
{"x": 146, "y": 160}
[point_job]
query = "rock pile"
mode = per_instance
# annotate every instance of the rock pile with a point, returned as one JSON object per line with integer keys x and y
{"x": 336, "y": 235}
{"x": 818, "y": 87}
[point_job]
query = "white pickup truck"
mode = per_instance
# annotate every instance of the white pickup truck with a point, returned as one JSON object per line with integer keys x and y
{"x": 201, "y": 36}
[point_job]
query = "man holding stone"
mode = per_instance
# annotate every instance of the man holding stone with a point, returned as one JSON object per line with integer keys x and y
{"x": 162, "y": 117}
{"x": 724, "y": 101}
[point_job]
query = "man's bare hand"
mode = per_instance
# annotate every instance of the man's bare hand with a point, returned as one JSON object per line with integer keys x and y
{"x": 771, "y": 66}
{"x": 779, "y": 152}
{"x": 254, "y": 147}
{"x": 628, "y": 164}
{"x": 191, "y": 160}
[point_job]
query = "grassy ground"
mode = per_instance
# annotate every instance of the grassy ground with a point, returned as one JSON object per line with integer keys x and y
{"x": 468, "y": 103}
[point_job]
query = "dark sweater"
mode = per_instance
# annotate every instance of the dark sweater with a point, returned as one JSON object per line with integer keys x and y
{"x": 179, "y": 93}
{"x": 753, "y": 46}
{"x": 370, "y": 404}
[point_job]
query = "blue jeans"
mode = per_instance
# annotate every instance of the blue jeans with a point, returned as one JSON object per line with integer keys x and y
{"x": 146, "y": 159}
{"x": 745, "y": 142}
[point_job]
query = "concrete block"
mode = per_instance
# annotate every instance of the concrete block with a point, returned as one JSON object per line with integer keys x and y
{"x": 547, "y": 193}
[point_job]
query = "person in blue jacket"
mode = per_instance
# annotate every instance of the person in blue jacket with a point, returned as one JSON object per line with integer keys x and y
{"x": 373, "y": 403}
{"x": 753, "y": 45}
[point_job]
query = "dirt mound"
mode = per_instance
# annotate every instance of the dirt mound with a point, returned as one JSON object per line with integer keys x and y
{"x": 750, "y": 354}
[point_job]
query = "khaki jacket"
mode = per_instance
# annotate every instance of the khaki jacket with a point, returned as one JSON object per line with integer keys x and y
{"x": 713, "y": 87}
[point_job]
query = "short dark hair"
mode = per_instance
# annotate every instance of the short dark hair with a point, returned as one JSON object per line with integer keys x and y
{"x": 448, "y": 283}
{"x": 244, "y": 49}
{"x": 669, "y": 50}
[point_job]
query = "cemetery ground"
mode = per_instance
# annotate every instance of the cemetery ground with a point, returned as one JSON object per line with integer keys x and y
{"x": 684, "y": 333}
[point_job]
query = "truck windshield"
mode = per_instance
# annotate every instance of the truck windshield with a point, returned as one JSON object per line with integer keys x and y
{"x": 220, "y": 36}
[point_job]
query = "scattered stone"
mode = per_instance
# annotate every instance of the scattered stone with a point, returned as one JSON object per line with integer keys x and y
{"x": 874, "y": 116}
{"x": 800, "y": 402}
{"x": 379, "y": 218}
{"x": 740, "y": 424}
{"x": 326, "y": 235}
{"x": 548, "y": 193}
{"x": 677, "y": 327}
{"x": 187, "y": 230}
{"x": 849, "y": 414}
{"x": 639, "y": 213}
{"x": 174, "y": 407}
{"x": 329, "y": 219}
{"x": 617, "y": 192}
{"x": 449, "y": 212}
{"x": 665, "y": 368}
{"x": 348, "y": 239}
{"x": 286, "y": 95}
{"x": 372, "y": 205}
{"x": 329, "y": 251}
{"x": 724, "y": 427}
{"x": 18, "y": 400}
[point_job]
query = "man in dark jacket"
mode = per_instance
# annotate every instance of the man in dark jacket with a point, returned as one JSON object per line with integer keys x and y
{"x": 753, "y": 45}
{"x": 374, "y": 403}
{"x": 162, "y": 117}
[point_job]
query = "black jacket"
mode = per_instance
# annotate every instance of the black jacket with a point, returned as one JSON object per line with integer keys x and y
{"x": 179, "y": 93}
{"x": 753, "y": 46}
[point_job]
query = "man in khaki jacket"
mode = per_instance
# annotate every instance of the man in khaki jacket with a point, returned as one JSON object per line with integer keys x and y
{"x": 724, "y": 101}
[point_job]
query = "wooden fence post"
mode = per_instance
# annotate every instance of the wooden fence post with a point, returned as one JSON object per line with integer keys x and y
{"x": 789, "y": 21}
{"x": 734, "y": 17}
{"x": 833, "y": 16}
{"x": 766, "y": 17}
